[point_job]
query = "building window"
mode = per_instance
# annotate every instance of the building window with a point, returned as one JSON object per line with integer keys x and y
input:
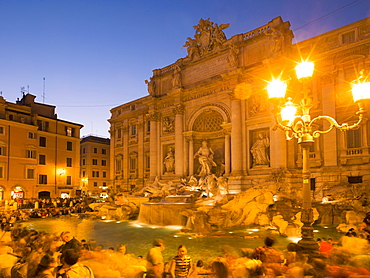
{"x": 147, "y": 162}
{"x": 83, "y": 174}
{"x": 30, "y": 173}
{"x": 83, "y": 150}
{"x": 353, "y": 138}
{"x": 133, "y": 130}
{"x": 43, "y": 179}
{"x": 95, "y": 174}
{"x": 31, "y": 154}
{"x": 95, "y": 150}
{"x": 31, "y": 135}
{"x": 148, "y": 126}
{"x": 132, "y": 163}
{"x": 83, "y": 161}
{"x": 119, "y": 133}
{"x": 94, "y": 161}
{"x": 95, "y": 184}
{"x": 70, "y": 131}
{"x": 69, "y": 146}
{"x": 2, "y": 151}
{"x": 69, "y": 180}
{"x": 104, "y": 174}
{"x": 1, "y": 172}
{"x": 69, "y": 162}
{"x": 2, "y": 130}
{"x": 42, "y": 142}
{"x": 42, "y": 125}
{"x": 104, "y": 184}
{"x": 118, "y": 163}
{"x": 42, "y": 159}
{"x": 104, "y": 162}
{"x": 103, "y": 151}
{"x": 348, "y": 37}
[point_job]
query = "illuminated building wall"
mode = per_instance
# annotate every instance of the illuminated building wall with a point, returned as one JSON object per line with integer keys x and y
{"x": 95, "y": 161}
{"x": 217, "y": 93}
{"x": 39, "y": 153}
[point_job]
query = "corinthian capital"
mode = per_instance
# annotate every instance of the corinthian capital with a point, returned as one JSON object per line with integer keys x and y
{"x": 154, "y": 116}
{"x": 179, "y": 109}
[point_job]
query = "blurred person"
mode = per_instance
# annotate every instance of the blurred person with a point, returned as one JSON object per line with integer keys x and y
{"x": 220, "y": 269}
{"x": 46, "y": 267}
{"x": 351, "y": 233}
{"x": 110, "y": 251}
{"x": 155, "y": 263}
{"x": 270, "y": 257}
{"x": 71, "y": 268}
{"x": 181, "y": 264}
{"x": 70, "y": 242}
{"x": 325, "y": 247}
{"x": 246, "y": 266}
{"x": 198, "y": 269}
{"x": 84, "y": 245}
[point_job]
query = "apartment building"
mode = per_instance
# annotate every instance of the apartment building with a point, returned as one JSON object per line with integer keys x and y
{"x": 39, "y": 153}
{"x": 95, "y": 161}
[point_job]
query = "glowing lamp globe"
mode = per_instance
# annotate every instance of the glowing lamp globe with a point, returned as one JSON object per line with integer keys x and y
{"x": 276, "y": 89}
{"x": 304, "y": 69}
{"x": 361, "y": 91}
{"x": 289, "y": 111}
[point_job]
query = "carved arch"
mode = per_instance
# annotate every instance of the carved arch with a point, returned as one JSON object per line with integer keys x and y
{"x": 221, "y": 109}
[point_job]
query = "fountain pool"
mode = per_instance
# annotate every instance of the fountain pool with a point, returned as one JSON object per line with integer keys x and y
{"x": 139, "y": 237}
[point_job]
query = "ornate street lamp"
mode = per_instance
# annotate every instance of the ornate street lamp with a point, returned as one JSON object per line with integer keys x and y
{"x": 296, "y": 121}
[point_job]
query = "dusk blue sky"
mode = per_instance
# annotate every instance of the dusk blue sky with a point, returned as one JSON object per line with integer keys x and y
{"x": 96, "y": 54}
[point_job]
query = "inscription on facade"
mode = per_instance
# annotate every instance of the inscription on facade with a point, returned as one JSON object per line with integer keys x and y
{"x": 204, "y": 71}
{"x": 205, "y": 93}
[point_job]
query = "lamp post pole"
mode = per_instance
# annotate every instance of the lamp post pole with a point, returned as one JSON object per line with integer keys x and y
{"x": 301, "y": 127}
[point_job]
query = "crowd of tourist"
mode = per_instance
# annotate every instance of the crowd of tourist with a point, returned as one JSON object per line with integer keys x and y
{"x": 33, "y": 254}
{"x": 28, "y": 253}
{"x": 16, "y": 210}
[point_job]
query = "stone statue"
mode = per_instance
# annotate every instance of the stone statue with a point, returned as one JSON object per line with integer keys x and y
{"x": 151, "y": 86}
{"x": 259, "y": 150}
{"x": 168, "y": 125}
{"x": 207, "y": 36}
{"x": 232, "y": 57}
{"x": 176, "y": 80}
{"x": 192, "y": 46}
{"x": 276, "y": 38}
{"x": 169, "y": 161}
{"x": 205, "y": 158}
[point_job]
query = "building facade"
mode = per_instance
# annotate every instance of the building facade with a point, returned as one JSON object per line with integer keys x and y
{"x": 95, "y": 161}
{"x": 39, "y": 153}
{"x": 217, "y": 96}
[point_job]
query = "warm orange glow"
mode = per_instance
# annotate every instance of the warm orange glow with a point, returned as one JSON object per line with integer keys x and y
{"x": 304, "y": 69}
{"x": 276, "y": 88}
{"x": 289, "y": 111}
{"x": 361, "y": 91}
{"x": 62, "y": 172}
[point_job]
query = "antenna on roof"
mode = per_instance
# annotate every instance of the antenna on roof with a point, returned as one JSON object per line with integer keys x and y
{"x": 43, "y": 92}
{"x": 23, "y": 90}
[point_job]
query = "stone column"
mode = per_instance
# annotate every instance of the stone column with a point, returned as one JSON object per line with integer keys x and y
{"x": 179, "y": 140}
{"x": 227, "y": 154}
{"x": 236, "y": 138}
{"x": 112, "y": 156}
{"x": 140, "y": 144}
{"x": 125, "y": 160}
{"x": 191, "y": 155}
{"x": 328, "y": 109}
{"x": 154, "y": 136}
